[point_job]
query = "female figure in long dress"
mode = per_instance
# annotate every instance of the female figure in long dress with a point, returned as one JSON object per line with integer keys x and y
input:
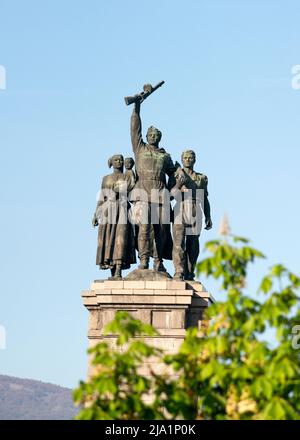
{"x": 116, "y": 249}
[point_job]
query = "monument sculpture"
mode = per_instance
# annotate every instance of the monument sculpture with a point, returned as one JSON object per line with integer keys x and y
{"x": 115, "y": 234}
{"x": 152, "y": 166}
{"x": 191, "y": 196}
{"x": 134, "y": 208}
{"x": 133, "y": 212}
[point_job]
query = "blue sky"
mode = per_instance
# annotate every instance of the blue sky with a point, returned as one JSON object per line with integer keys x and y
{"x": 228, "y": 95}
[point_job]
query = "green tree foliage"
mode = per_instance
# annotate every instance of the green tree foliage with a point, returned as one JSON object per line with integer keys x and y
{"x": 116, "y": 391}
{"x": 229, "y": 371}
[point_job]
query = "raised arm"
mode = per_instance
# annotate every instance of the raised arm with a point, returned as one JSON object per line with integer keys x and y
{"x": 136, "y": 127}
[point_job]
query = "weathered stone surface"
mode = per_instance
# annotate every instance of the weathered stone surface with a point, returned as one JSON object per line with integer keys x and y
{"x": 94, "y": 319}
{"x": 177, "y": 285}
{"x": 89, "y": 301}
{"x": 170, "y": 306}
{"x": 134, "y": 284}
{"x": 173, "y": 319}
{"x": 156, "y": 285}
{"x": 196, "y": 285}
{"x": 87, "y": 293}
{"x": 102, "y": 292}
{"x": 147, "y": 274}
{"x": 122, "y": 291}
{"x": 143, "y": 292}
{"x": 109, "y": 284}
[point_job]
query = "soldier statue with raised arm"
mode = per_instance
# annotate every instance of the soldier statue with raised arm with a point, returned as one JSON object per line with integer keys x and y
{"x": 152, "y": 165}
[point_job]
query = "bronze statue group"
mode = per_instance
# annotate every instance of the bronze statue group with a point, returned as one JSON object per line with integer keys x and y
{"x": 134, "y": 209}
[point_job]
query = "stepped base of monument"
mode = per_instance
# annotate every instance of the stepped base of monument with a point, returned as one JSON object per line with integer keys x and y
{"x": 169, "y": 306}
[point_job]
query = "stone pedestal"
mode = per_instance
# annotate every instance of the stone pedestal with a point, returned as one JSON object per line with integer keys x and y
{"x": 170, "y": 306}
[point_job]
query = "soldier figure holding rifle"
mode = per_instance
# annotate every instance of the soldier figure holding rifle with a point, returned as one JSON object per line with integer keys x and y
{"x": 152, "y": 165}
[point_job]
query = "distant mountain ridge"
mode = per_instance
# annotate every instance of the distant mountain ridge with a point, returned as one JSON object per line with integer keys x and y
{"x": 26, "y": 399}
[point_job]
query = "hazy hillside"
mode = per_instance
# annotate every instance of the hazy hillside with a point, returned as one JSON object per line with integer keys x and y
{"x": 23, "y": 399}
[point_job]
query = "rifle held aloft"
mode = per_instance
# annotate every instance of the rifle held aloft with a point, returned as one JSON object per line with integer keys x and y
{"x": 148, "y": 90}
